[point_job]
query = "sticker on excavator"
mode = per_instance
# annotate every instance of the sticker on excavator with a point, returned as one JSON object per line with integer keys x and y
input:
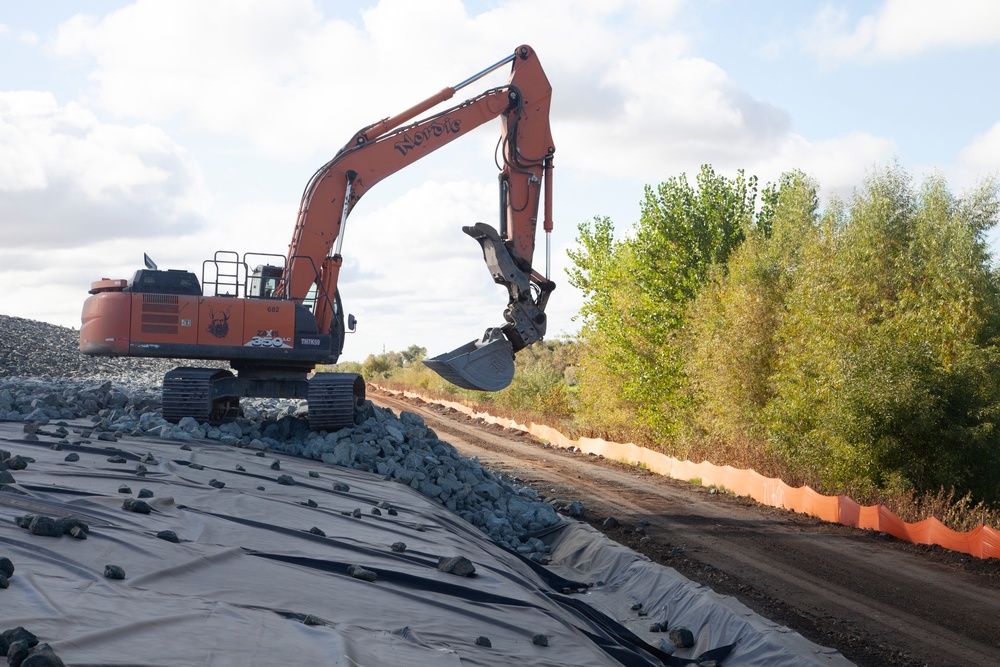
{"x": 477, "y": 365}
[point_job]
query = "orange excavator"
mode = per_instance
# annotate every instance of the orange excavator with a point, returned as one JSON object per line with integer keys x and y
{"x": 276, "y": 321}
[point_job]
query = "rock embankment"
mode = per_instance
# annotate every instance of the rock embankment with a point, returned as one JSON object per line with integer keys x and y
{"x": 44, "y": 378}
{"x": 32, "y": 349}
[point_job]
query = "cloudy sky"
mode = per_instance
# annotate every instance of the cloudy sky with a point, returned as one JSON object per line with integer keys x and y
{"x": 182, "y": 127}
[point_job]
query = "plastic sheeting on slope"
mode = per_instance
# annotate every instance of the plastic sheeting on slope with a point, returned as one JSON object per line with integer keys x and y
{"x": 250, "y": 585}
{"x": 982, "y": 542}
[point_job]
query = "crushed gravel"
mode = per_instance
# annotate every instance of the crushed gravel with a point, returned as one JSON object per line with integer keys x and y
{"x": 45, "y": 380}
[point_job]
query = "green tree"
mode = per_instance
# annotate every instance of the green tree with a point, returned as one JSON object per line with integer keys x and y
{"x": 887, "y": 373}
{"x": 637, "y": 291}
{"x": 413, "y": 354}
{"x": 730, "y": 347}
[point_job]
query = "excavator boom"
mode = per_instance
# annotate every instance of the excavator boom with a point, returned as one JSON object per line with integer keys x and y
{"x": 388, "y": 146}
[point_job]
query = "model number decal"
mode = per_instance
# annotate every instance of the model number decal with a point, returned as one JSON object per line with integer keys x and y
{"x": 268, "y": 341}
{"x": 310, "y": 341}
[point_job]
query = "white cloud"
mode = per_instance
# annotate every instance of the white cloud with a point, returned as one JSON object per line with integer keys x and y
{"x": 291, "y": 82}
{"x": 839, "y": 164}
{"x": 69, "y": 179}
{"x": 983, "y": 153}
{"x": 675, "y": 111}
{"x": 902, "y": 29}
{"x": 978, "y": 160}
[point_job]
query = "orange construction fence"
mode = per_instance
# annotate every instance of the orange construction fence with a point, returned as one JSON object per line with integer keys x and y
{"x": 982, "y": 542}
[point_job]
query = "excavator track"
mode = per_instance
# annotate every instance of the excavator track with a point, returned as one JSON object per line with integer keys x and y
{"x": 188, "y": 392}
{"x": 332, "y": 399}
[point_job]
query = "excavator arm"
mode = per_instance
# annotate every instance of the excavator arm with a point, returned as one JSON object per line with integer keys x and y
{"x": 525, "y": 160}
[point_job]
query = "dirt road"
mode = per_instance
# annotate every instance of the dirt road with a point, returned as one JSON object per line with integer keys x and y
{"x": 875, "y": 599}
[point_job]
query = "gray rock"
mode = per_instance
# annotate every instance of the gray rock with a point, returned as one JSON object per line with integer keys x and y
{"x": 484, "y": 642}
{"x": 169, "y": 536}
{"x": 41, "y": 656}
{"x": 68, "y": 523}
{"x": 114, "y": 572}
{"x": 17, "y": 652}
{"x": 117, "y": 459}
{"x": 539, "y": 640}
{"x": 14, "y": 635}
{"x": 6, "y": 567}
{"x": 286, "y": 480}
{"x": 4, "y": 583}
{"x": 145, "y": 493}
{"x": 457, "y": 565}
{"x": 137, "y": 506}
{"x": 17, "y": 462}
{"x": 359, "y": 572}
{"x": 316, "y": 531}
{"x": 216, "y": 484}
{"x": 313, "y": 473}
{"x": 340, "y": 486}
{"x": 45, "y": 527}
{"x": 124, "y": 488}
{"x": 681, "y": 637}
{"x": 398, "y": 547}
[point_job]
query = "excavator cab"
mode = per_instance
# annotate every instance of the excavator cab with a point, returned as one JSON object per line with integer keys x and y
{"x": 264, "y": 281}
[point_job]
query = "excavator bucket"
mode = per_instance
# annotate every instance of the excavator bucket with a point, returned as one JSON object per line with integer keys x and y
{"x": 486, "y": 364}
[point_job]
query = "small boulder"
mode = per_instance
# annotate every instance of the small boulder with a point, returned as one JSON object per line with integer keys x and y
{"x": 359, "y": 572}
{"x": 681, "y": 637}
{"x": 457, "y": 565}
{"x": 114, "y": 572}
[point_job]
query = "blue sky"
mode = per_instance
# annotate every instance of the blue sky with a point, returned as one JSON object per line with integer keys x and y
{"x": 181, "y": 127}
